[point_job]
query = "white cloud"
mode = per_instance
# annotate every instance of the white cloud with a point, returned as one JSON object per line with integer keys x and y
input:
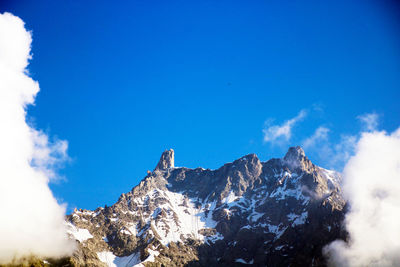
{"x": 320, "y": 134}
{"x": 371, "y": 184}
{"x": 283, "y": 131}
{"x": 32, "y": 221}
{"x": 369, "y": 121}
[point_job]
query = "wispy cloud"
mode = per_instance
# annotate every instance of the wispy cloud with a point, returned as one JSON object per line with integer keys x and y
{"x": 33, "y": 221}
{"x": 335, "y": 154}
{"x": 330, "y": 154}
{"x": 370, "y": 121}
{"x": 284, "y": 131}
{"x": 320, "y": 134}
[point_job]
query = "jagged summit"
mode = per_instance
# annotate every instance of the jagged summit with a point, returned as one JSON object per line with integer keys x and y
{"x": 247, "y": 157}
{"x": 295, "y": 153}
{"x": 280, "y": 212}
{"x": 166, "y": 160}
{"x": 295, "y": 158}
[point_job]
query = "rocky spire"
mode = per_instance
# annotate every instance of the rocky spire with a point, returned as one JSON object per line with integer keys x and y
{"x": 166, "y": 160}
{"x": 295, "y": 153}
{"x": 296, "y": 158}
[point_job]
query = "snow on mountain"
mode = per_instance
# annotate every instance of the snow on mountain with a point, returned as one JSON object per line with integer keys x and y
{"x": 246, "y": 212}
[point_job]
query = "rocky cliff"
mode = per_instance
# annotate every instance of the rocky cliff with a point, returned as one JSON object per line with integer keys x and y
{"x": 275, "y": 213}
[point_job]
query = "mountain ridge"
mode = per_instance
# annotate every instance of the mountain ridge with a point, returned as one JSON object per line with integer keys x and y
{"x": 245, "y": 212}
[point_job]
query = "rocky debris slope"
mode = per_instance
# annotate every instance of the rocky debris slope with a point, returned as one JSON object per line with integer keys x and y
{"x": 276, "y": 213}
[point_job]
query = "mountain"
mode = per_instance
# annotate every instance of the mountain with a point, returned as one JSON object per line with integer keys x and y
{"x": 275, "y": 213}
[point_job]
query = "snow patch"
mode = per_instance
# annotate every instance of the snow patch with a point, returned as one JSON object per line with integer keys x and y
{"x": 151, "y": 257}
{"x": 297, "y": 219}
{"x": 278, "y": 230}
{"x": 78, "y": 233}
{"x": 111, "y": 260}
{"x": 215, "y": 238}
{"x": 333, "y": 178}
{"x": 181, "y": 216}
{"x": 132, "y": 229}
{"x": 255, "y": 216}
{"x": 231, "y": 197}
{"x": 126, "y": 232}
{"x": 301, "y": 219}
{"x": 244, "y": 262}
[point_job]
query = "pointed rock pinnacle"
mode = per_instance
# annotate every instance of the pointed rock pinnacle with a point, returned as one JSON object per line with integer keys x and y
{"x": 166, "y": 160}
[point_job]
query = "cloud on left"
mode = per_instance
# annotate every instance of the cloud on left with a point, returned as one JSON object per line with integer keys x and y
{"x": 32, "y": 222}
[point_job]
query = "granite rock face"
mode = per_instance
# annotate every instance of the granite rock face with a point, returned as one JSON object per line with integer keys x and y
{"x": 275, "y": 213}
{"x": 166, "y": 160}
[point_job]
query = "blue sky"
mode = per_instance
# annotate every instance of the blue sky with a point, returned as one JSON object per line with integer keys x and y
{"x": 121, "y": 82}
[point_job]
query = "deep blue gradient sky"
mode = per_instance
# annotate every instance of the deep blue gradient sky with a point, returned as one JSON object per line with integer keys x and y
{"x": 121, "y": 82}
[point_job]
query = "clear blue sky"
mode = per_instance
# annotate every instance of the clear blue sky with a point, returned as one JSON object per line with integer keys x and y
{"x": 121, "y": 82}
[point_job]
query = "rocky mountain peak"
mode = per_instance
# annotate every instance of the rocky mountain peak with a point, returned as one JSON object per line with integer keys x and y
{"x": 249, "y": 157}
{"x": 166, "y": 160}
{"x": 250, "y": 160}
{"x": 296, "y": 158}
{"x": 281, "y": 212}
{"x": 295, "y": 153}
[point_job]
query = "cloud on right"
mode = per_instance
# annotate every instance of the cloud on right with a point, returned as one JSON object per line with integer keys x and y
{"x": 371, "y": 186}
{"x": 370, "y": 165}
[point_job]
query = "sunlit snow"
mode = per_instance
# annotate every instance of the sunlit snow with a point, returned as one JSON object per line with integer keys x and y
{"x": 79, "y": 234}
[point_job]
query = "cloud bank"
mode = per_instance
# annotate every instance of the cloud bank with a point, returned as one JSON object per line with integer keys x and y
{"x": 371, "y": 184}
{"x": 284, "y": 131}
{"x": 32, "y": 221}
